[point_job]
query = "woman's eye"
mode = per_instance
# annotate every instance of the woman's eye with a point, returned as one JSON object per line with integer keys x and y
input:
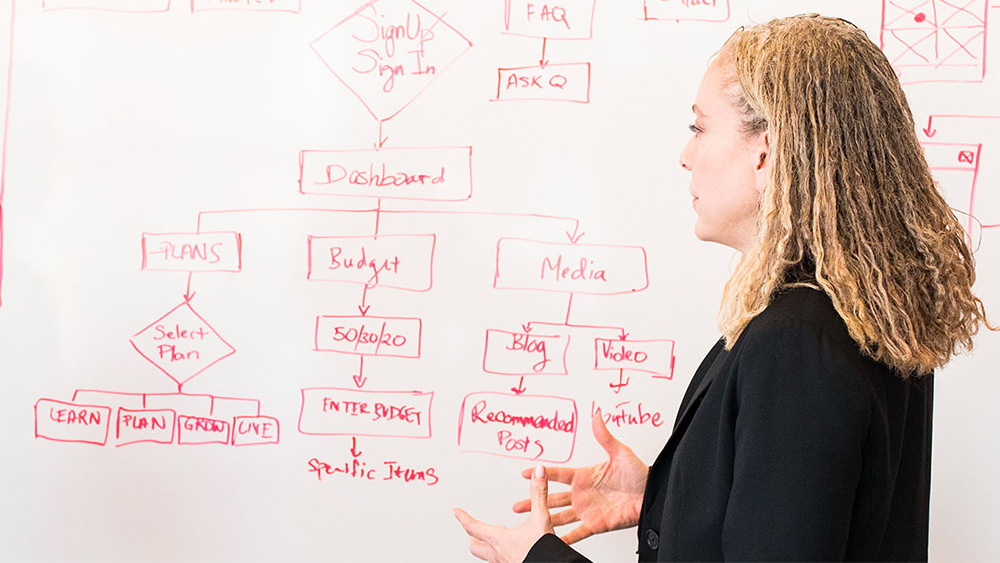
{"x": 694, "y": 128}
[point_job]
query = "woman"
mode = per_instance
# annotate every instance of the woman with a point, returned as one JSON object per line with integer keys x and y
{"x": 805, "y": 433}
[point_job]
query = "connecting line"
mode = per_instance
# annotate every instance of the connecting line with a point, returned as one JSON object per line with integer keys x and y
{"x": 622, "y": 334}
{"x": 6, "y": 131}
{"x": 201, "y": 214}
{"x": 179, "y": 393}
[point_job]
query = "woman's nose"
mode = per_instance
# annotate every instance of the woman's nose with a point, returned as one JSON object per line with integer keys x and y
{"x": 685, "y": 157}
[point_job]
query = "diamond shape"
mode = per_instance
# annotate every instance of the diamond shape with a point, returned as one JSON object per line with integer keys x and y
{"x": 388, "y": 52}
{"x": 181, "y": 344}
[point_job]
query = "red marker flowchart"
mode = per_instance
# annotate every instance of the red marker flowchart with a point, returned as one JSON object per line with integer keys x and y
{"x": 389, "y": 53}
{"x": 396, "y": 48}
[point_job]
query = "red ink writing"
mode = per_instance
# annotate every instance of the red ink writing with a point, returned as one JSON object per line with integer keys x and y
{"x": 584, "y": 271}
{"x": 336, "y": 173}
{"x": 75, "y": 416}
{"x": 481, "y": 414}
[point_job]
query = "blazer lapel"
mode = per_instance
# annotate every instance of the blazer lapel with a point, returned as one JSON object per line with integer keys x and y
{"x": 691, "y": 405}
{"x": 715, "y": 360}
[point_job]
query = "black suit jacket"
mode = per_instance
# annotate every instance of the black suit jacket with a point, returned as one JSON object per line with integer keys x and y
{"x": 790, "y": 446}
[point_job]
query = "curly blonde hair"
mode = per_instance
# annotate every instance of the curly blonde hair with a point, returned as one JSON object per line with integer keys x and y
{"x": 850, "y": 207}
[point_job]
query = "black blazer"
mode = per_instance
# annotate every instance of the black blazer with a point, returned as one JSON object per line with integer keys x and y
{"x": 790, "y": 446}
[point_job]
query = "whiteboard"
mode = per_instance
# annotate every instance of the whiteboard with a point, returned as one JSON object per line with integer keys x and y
{"x": 283, "y": 279}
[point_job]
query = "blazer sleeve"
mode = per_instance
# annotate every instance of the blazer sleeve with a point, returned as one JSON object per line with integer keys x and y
{"x": 803, "y": 412}
{"x": 550, "y": 549}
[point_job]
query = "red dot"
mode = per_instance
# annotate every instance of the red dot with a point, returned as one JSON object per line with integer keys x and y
{"x": 920, "y": 17}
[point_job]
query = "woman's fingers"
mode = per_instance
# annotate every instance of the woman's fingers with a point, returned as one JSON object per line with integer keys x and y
{"x": 577, "y": 534}
{"x": 603, "y": 436}
{"x": 564, "y": 517}
{"x": 562, "y": 475}
{"x": 480, "y": 549}
{"x": 539, "y": 491}
{"x": 557, "y": 500}
{"x": 475, "y": 528}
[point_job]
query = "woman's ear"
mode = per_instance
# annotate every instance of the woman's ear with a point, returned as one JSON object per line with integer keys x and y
{"x": 762, "y": 169}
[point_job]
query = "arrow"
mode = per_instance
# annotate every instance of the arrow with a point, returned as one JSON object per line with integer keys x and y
{"x": 381, "y": 139}
{"x": 573, "y": 238}
{"x": 520, "y": 387}
{"x": 360, "y": 379}
{"x": 928, "y": 130}
{"x": 618, "y": 386}
{"x": 542, "y": 61}
{"x": 354, "y": 447}
{"x": 362, "y": 307}
{"x": 624, "y": 335}
{"x": 526, "y": 327}
{"x": 188, "y": 294}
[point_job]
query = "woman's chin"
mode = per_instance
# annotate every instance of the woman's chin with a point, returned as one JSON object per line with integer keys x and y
{"x": 702, "y": 233}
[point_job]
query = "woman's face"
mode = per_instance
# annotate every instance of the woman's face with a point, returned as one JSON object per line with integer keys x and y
{"x": 727, "y": 169}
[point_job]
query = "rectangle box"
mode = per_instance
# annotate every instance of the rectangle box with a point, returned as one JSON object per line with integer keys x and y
{"x": 419, "y": 173}
{"x": 512, "y": 353}
{"x": 108, "y": 5}
{"x": 329, "y": 411}
{"x": 247, "y": 5}
{"x": 955, "y": 167}
{"x": 400, "y": 336}
{"x": 562, "y": 82}
{"x": 535, "y": 427}
{"x": 135, "y": 426}
{"x": 686, "y": 10}
{"x": 394, "y": 261}
{"x": 570, "y": 268}
{"x": 570, "y": 19}
{"x": 255, "y": 430}
{"x": 649, "y": 356}
{"x": 202, "y": 430}
{"x": 952, "y": 156}
{"x": 72, "y": 422}
{"x": 192, "y": 252}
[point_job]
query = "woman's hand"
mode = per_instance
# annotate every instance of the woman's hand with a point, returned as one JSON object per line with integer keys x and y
{"x": 605, "y": 497}
{"x": 497, "y": 544}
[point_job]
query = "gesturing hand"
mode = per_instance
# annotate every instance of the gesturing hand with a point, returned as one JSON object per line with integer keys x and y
{"x": 604, "y": 497}
{"x": 502, "y": 545}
